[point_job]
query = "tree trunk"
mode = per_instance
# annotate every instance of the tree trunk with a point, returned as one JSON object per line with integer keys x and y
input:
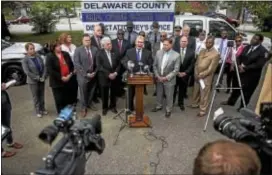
{"x": 4, "y": 28}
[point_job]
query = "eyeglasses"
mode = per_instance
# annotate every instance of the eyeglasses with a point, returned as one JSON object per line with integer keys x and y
{"x": 163, "y": 35}
{"x": 238, "y": 41}
{"x": 120, "y": 34}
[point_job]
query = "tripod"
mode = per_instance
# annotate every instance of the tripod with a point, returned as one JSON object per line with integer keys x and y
{"x": 217, "y": 85}
{"x": 124, "y": 120}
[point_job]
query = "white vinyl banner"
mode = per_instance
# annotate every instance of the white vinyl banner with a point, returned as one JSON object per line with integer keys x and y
{"x": 115, "y": 14}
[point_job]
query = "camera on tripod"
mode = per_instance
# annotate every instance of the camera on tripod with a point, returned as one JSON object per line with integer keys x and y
{"x": 254, "y": 130}
{"x": 68, "y": 156}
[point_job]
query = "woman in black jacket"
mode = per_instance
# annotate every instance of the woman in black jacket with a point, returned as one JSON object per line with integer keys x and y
{"x": 62, "y": 78}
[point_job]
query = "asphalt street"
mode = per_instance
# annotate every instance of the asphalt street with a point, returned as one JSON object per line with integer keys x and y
{"x": 133, "y": 152}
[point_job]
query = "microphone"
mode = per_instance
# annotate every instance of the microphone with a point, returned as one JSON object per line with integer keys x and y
{"x": 146, "y": 68}
{"x": 141, "y": 65}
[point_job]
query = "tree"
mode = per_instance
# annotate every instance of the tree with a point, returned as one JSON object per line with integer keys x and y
{"x": 12, "y": 5}
{"x": 42, "y": 18}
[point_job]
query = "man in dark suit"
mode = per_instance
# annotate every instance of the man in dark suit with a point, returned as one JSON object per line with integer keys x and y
{"x": 147, "y": 44}
{"x": 191, "y": 39}
{"x": 96, "y": 42}
{"x": 250, "y": 64}
{"x": 97, "y": 36}
{"x": 187, "y": 60}
{"x": 85, "y": 64}
{"x": 136, "y": 55}
{"x": 108, "y": 67}
{"x": 6, "y": 119}
{"x": 120, "y": 47}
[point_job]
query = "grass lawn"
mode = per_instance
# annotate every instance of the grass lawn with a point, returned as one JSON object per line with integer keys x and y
{"x": 267, "y": 34}
{"x": 46, "y": 38}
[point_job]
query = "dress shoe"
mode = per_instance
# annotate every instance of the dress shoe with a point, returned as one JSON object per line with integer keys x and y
{"x": 83, "y": 113}
{"x": 224, "y": 103}
{"x": 238, "y": 109}
{"x": 181, "y": 107}
{"x": 92, "y": 107}
{"x": 96, "y": 100}
{"x": 154, "y": 94}
{"x": 114, "y": 110}
{"x": 200, "y": 115}
{"x": 185, "y": 96}
{"x": 167, "y": 114}
{"x": 156, "y": 109}
{"x": 104, "y": 112}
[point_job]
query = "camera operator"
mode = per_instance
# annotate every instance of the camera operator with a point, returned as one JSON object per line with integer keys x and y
{"x": 225, "y": 157}
{"x": 5, "y": 119}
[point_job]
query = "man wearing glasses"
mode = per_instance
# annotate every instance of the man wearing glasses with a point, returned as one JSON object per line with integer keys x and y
{"x": 120, "y": 47}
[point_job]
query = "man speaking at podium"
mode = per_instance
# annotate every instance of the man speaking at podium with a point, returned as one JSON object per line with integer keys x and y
{"x": 136, "y": 55}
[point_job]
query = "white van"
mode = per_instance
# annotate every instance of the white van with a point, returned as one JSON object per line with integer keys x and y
{"x": 214, "y": 26}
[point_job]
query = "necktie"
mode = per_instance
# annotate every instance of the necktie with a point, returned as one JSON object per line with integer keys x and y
{"x": 221, "y": 45}
{"x": 155, "y": 39}
{"x": 138, "y": 55}
{"x": 182, "y": 55}
{"x": 109, "y": 57}
{"x": 164, "y": 59}
{"x": 90, "y": 59}
{"x": 98, "y": 42}
{"x": 250, "y": 50}
{"x": 198, "y": 48}
{"x": 129, "y": 37}
{"x": 120, "y": 45}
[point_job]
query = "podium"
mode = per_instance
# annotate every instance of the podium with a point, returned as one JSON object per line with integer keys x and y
{"x": 139, "y": 120}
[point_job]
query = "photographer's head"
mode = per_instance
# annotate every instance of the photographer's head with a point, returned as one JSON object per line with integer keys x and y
{"x": 225, "y": 157}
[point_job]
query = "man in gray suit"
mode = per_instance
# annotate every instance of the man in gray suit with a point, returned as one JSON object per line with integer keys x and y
{"x": 130, "y": 35}
{"x": 85, "y": 64}
{"x": 34, "y": 68}
{"x": 166, "y": 66}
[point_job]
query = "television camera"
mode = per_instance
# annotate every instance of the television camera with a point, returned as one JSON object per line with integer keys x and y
{"x": 68, "y": 156}
{"x": 251, "y": 129}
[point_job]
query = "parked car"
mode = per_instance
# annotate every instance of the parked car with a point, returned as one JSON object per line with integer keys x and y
{"x": 214, "y": 26}
{"x": 21, "y": 20}
{"x": 231, "y": 21}
{"x": 12, "y": 55}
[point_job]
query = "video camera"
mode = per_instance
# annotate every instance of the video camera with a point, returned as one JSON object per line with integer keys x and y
{"x": 253, "y": 130}
{"x": 68, "y": 156}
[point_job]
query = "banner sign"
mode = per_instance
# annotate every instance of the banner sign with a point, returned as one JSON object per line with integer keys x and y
{"x": 115, "y": 14}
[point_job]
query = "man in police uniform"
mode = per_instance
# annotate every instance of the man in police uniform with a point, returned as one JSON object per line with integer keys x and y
{"x": 130, "y": 35}
{"x": 176, "y": 34}
{"x": 154, "y": 36}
